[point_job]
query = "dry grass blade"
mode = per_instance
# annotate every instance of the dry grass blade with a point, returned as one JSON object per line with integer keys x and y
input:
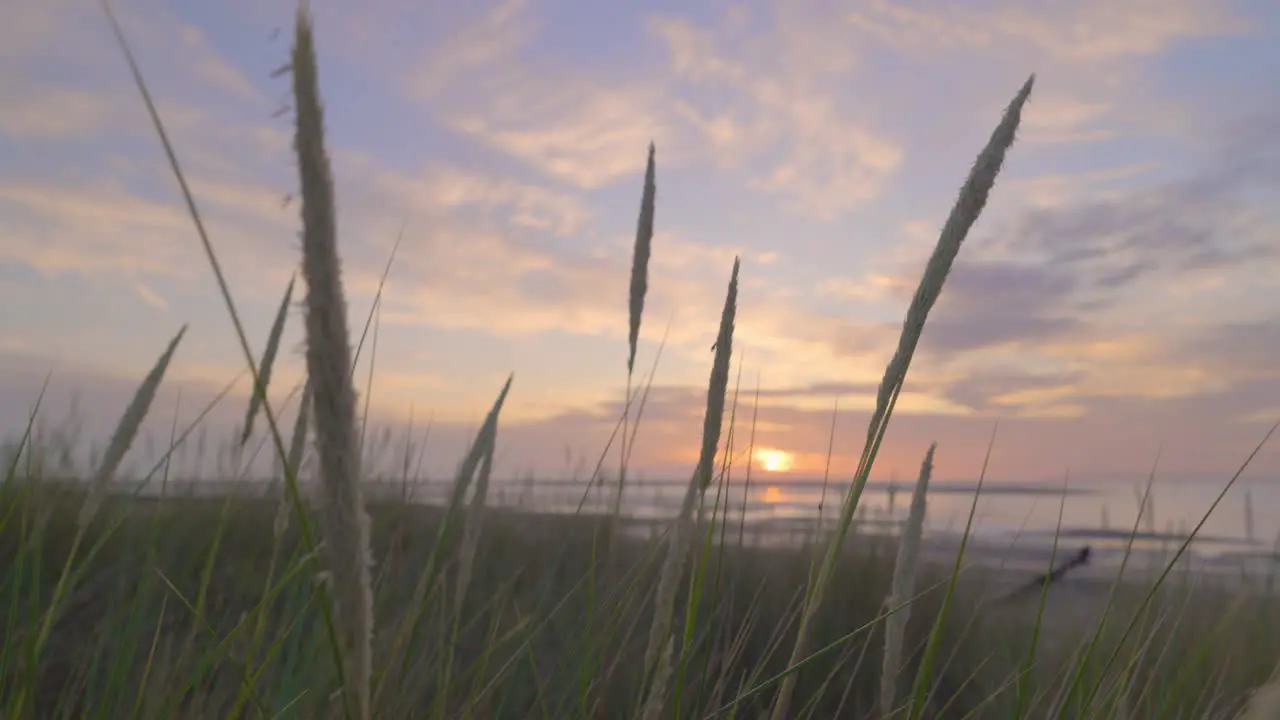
{"x": 127, "y": 430}
{"x": 477, "y": 465}
{"x": 658, "y": 654}
{"x": 346, "y": 527}
{"x": 444, "y": 533}
{"x": 377, "y": 297}
{"x": 298, "y": 443}
{"x": 267, "y": 363}
{"x": 475, "y": 456}
{"x": 22, "y": 447}
{"x": 718, "y": 384}
{"x": 293, "y": 462}
{"x": 751, "y": 453}
{"x": 902, "y": 588}
{"x": 635, "y": 303}
{"x": 475, "y": 519}
{"x": 640, "y": 259}
{"x": 969, "y": 205}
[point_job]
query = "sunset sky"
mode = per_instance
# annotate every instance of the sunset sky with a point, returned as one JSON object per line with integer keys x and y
{"x": 1117, "y": 301}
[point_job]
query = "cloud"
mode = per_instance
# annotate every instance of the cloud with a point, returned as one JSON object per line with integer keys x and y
{"x": 1056, "y": 118}
{"x": 90, "y": 230}
{"x": 65, "y": 77}
{"x": 461, "y": 226}
{"x": 680, "y": 253}
{"x": 585, "y": 135}
{"x": 1088, "y": 30}
{"x": 574, "y": 126}
{"x": 992, "y": 303}
{"x": 1243, "y": 351}
{"x": 1029, "y": 448}
{"x": 822, "y": 390}
{"x": 1192, "y": 225}
{"x": 1002, "y": 387}
{"x": 445, "y": 187}
{"x": 782, "y": 118}
{"x": 1107, "y": 293}
{"x": 1120, "y": 444}
{"x": 1093, "y": 251}
{"x": 210, "y": 67}
{"x": 42, "y": 113}
{"x": 1057, "y": 189}
{"x": 1094, "y": 57}
{"x": 151, "y": 297}
{"x": 481, "y": 252}
{"x": 496, "y": 283}
{"x": 713, "y": 102}
{"x": 496, "y": 36}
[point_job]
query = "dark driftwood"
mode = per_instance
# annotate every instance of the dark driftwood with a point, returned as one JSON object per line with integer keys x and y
{"x": 1079, "y": 559}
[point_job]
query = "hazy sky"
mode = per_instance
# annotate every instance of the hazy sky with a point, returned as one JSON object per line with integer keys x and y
{"x": 1117, "y": 298}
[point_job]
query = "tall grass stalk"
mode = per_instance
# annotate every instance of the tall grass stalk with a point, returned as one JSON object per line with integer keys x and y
{"x": 1249, "y": 534}
{"x": 826, "y": 468}
{"x": 268, "y": 362}
{"x": 368, "y": 386}
{"x": 708, "y": 527}
{"x": 280, "y": 526}
{"x": 969, "y": 205}
{"x": 259, "y": 392}
{"x": 1023, "y": 692}
{"x": 346, "y": 526}
{"x": 923, "y": 687}
{"x": 635, "y": 304}
{"x": 751, "y": 459}
{"x": 224, "y": 290}
{"x": 902, "y": 587}
{"x": 475, "y": 514}
{"x": 127, "y": 431}
{"x": 728, "y": 474}
{"x": 474, "y": 521}
{"x": 377, "y": 298}
{"x": 658, "y": 655}
{"x": 298, "y": 442}
{"x": 636, "y": 292}
{"x": 595, "y": 478}
{"x": 22, "y": 448}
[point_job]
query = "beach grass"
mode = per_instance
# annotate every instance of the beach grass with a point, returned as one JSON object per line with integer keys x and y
{"x": 315, "y": 601}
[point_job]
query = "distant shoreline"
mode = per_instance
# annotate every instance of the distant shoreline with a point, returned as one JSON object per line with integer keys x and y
{"x": 990, "y": 546}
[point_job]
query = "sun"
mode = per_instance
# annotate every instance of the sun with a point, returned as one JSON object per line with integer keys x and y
{"x": 775, "y": 461}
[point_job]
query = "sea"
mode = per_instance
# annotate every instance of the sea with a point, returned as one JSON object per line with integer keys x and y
{"x": 1229, "y": 533}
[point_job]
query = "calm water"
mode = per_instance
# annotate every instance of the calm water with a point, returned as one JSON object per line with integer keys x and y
{"x": 1001, "y": 509}
{"x": 1013, "y": 525}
